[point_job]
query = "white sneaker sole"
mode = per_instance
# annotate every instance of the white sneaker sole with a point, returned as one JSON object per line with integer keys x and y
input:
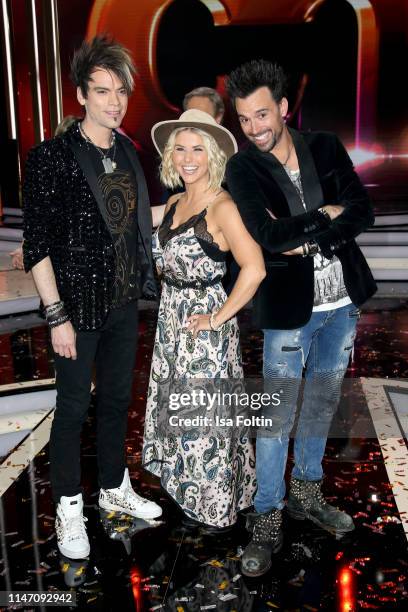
{"x": 136, "y": 514}
{"x": 74, "y": 554}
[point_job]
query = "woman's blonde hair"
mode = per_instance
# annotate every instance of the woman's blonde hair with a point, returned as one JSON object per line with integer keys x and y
{"x": 216, "y": 160}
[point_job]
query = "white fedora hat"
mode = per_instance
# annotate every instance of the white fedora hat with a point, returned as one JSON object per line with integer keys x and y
{"x": 194, "y": 118}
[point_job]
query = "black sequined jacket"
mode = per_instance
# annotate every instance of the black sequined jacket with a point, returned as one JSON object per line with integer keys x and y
{"x": 64, "y": 219}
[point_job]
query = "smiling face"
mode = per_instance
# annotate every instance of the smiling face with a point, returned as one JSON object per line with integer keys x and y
{"x": 261, "y": 118}
{"x": 106, "y": 101}
{"x": 190, "y": 157}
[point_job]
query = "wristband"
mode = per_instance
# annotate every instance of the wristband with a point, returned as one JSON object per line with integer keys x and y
{"x": 52, "y": 309}
{"x": 53, "y": 304}
{"x": 60, "y": 319}
{"x": 56, "y": 314}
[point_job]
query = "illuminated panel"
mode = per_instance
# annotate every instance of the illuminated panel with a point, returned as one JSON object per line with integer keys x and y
{"x": 37, "y": 92}
{"x": 153, "y": 32}
{"x": 218, "y": 11}
{"x": 56, "y": 58}
{"x": 345, "y": 585}
{"x": 365, "y": 156}
{"x": 10, "y": 87}
{"x": 367, "y": 70}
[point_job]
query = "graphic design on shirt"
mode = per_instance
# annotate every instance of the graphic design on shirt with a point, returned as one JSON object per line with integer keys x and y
{"x": 119, "y": 193}
{"x": 329, "y": 285}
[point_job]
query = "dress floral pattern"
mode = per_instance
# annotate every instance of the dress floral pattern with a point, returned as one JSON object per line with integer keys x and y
{"x": 210, "y": 477}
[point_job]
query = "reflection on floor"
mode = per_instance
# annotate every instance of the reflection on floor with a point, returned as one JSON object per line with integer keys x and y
{"x": 166, "y": 565}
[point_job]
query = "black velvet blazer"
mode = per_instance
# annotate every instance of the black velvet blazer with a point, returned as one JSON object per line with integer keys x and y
{"x": 258, "y": 183}
{"x": 64, "y": 219}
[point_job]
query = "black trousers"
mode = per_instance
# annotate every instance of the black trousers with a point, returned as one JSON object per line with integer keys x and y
{"x": 112, "y": 348}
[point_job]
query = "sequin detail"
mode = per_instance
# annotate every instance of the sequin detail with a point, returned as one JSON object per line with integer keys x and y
{"x": 62, "y": 220}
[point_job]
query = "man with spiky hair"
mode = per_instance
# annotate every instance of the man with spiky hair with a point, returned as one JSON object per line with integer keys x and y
{"x": 302, "y": 201}
{"x": 87, "y": 241}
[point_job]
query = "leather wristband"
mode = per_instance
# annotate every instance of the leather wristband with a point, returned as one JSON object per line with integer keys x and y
{"x": 59, "y": 319}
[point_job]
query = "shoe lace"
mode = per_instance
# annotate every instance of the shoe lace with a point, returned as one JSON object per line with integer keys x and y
{"x": 76, "y": 527}
{"x": 135, "y": 496}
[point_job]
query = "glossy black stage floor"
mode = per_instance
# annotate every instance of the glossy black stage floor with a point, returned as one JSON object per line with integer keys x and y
{"x": 167, "y": 565}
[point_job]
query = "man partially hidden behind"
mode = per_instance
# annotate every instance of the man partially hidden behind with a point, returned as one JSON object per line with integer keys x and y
{"x": 301, "y": 200}
{"x": 87, "y": 241}
{"x": 206, "y": 99}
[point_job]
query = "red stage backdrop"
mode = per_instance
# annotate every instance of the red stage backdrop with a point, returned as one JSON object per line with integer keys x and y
{"x": 346, "y": 59}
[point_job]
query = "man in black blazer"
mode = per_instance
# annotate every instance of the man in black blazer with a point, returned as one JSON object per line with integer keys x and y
{"x": 87, "y": 241}
{"x": 302, "y": 201}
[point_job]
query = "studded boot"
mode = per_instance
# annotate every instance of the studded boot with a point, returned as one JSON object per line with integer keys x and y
{"x": 306, "y": 501}
{"x": 266, "y": 540}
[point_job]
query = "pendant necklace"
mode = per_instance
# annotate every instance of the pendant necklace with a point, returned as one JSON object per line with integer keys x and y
{"x": 288, "y": 155}
{"x": 109, "y": 163}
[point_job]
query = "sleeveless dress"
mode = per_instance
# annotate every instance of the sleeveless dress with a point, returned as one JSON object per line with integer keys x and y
{"x": 211, "y": 478}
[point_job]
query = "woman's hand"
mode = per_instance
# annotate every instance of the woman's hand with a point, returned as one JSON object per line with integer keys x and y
{"x": 198, "y": 322}
{"x": 17, "y": 258}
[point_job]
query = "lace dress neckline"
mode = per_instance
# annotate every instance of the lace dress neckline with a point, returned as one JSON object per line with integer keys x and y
{"x": 171, "y": 212}
{"x": 197, "y": 221}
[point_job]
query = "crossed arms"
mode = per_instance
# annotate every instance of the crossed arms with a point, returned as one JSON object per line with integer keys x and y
{"x": 285, "y": 234}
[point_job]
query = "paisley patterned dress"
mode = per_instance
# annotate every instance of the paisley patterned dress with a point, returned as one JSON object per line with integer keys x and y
{"x": 211, "y": 477}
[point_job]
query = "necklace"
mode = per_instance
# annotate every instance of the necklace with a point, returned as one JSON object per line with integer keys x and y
{"x": 288, "y": 155}
{"x": 109, "y": 164}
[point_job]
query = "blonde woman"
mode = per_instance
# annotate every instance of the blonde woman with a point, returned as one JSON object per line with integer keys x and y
{"x": 210, "y": 477}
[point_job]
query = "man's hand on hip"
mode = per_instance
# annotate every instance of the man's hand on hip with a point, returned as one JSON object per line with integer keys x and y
{"x": 63, "y": 340}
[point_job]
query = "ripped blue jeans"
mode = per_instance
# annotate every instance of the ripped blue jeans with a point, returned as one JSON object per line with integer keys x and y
{"x": 322, "y": 349}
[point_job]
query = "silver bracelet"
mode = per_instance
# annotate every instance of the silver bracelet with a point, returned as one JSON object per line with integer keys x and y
{"x": 305, "y": 249}
{"x": 212, "y": 325}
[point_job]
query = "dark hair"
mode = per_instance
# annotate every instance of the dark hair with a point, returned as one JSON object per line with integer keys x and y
{"x": 206, "y": 92}
{"x": 102, "y": 52}
{"x": 252, "y": 75}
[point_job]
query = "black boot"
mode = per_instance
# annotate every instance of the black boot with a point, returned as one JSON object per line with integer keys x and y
{"x": 306, "y": 501}
{"x": 266, "y": 539}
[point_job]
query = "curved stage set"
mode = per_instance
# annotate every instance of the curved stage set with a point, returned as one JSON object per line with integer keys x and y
{"x": 345, "y": 58}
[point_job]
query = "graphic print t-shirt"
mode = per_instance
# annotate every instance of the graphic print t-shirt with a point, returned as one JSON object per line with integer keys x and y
{"x": 329, "y": 289}
{"x": 119, "y": 190}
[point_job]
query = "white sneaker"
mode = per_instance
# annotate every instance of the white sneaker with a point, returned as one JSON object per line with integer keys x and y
{"x": 70, "y": 527}
{"x": 124, "y": 499}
